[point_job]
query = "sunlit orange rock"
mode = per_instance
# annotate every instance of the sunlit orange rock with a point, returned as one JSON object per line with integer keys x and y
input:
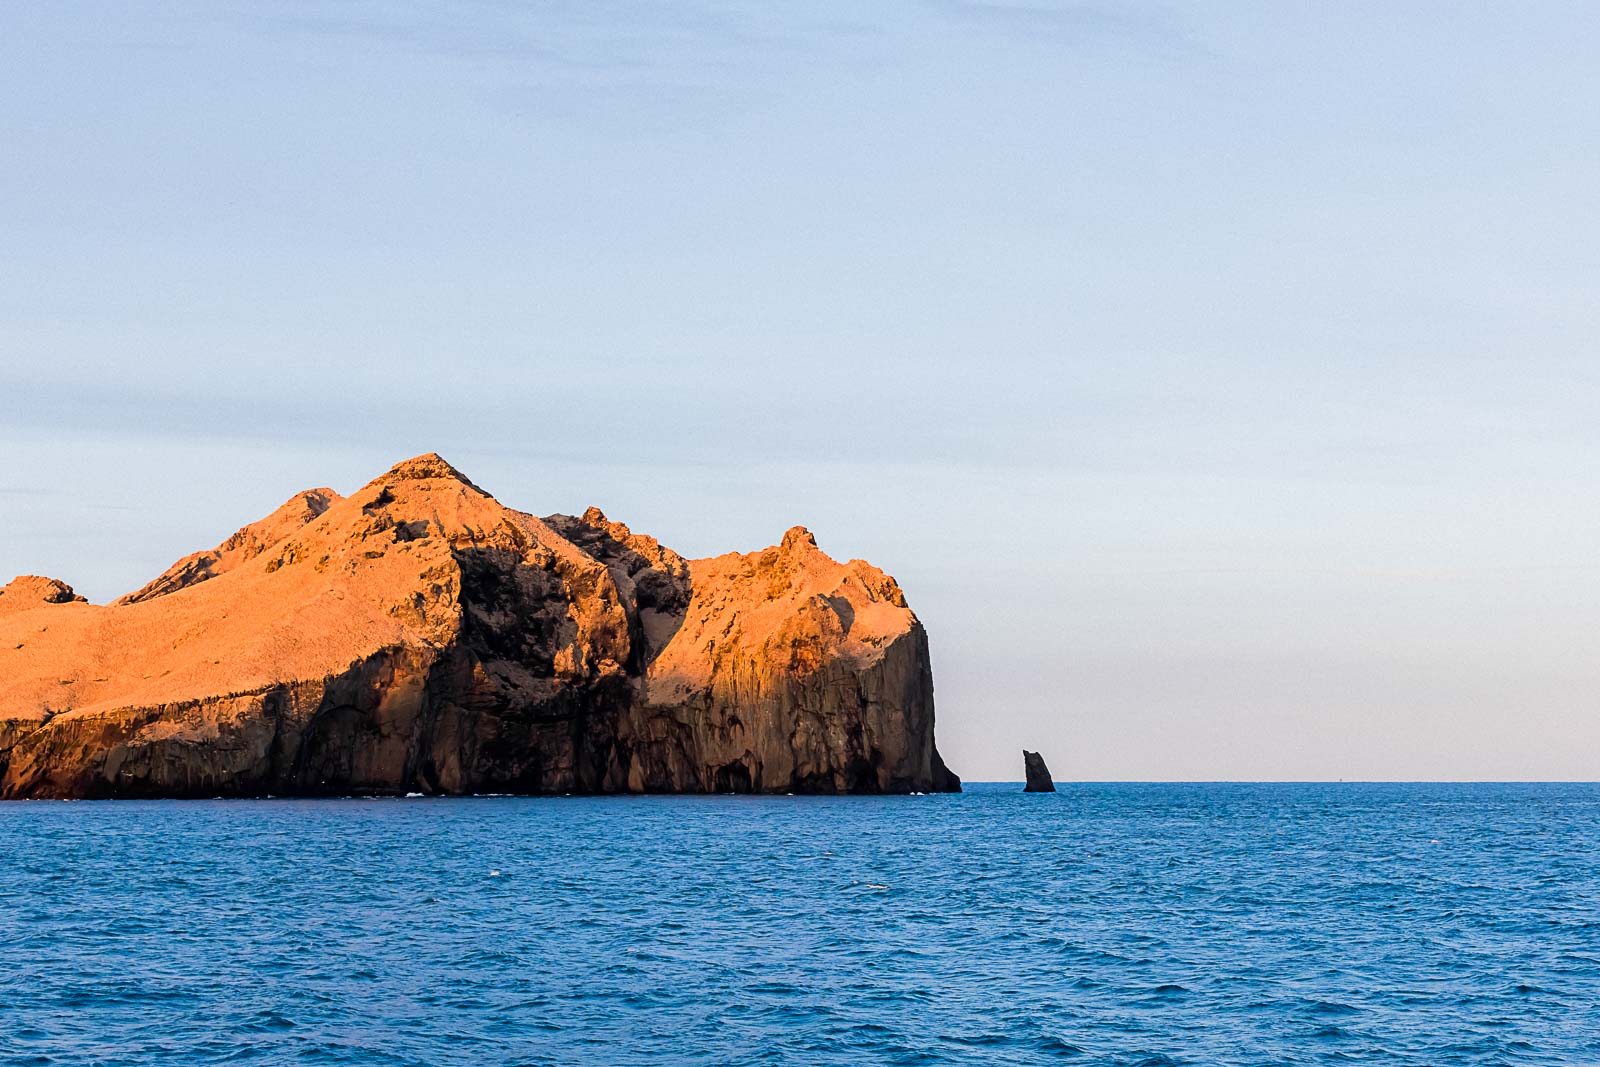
{"x": 419, "y": 636}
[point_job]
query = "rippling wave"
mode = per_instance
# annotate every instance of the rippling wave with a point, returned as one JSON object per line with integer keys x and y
{"x": 1114, "y": 924}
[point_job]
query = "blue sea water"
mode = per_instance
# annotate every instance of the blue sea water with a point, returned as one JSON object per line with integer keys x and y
{"x": 1106, "y": 924}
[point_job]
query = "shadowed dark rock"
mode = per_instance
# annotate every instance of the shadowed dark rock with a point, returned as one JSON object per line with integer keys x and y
{"x": 1038, "y": 774}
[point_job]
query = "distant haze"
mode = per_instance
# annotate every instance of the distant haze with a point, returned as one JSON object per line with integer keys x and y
{"x": 1219, "y": 381}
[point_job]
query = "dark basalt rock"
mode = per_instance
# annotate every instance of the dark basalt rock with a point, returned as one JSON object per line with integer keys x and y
{"x": 1039, "y": 780}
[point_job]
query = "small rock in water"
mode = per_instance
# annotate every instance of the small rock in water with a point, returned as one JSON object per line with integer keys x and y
{"x": 1039, "y": 780}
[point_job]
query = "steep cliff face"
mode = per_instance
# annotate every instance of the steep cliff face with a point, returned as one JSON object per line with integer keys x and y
{"x": 419, "y": 636}
{"x": 790, "y": 671}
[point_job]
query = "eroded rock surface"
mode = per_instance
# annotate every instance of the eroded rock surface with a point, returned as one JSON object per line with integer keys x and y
{"x": 419, "y": 636}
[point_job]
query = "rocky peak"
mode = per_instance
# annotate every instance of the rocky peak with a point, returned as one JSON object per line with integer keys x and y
{"x": 652, "y": 579}
{"x": 423, "y": 467}
{"x": 798, "y": 538}
{"x": 243, "y": 545}
{"x": 314, "y": 501}
{"x": 595, "y": 518}
{"x": 33, "y": 590}
{"x": 613, "y": 542}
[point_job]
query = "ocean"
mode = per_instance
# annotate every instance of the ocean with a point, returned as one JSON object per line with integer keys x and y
{"x": 1105, "y": 924}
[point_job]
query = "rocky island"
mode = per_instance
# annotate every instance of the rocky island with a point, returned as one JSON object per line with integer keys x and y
{"x": 1038, "y": 775}
{"x": 419, "y": 636}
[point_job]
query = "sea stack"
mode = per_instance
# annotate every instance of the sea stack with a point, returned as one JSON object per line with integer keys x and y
{"x": 420, "y": 636}
{"x": 1039, "y": 780}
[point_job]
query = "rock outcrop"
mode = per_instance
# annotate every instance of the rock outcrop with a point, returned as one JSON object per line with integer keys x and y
{"x": 420, "y": 636}
{"x": 31, "y": 591}
{"x": 245, "y": 545}
{"x": 1039, "y": 780}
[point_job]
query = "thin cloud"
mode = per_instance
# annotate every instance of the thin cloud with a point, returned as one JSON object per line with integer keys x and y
{"x": 439, "y": 39}
{"x": 1075, "y": 23}
{"x": 637, "y": 63}
{"x": 588, "y": 36}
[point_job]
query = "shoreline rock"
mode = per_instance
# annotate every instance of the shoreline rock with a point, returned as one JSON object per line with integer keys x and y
{"x": 420, "y": 636}
{"x": 1038, "y": 775}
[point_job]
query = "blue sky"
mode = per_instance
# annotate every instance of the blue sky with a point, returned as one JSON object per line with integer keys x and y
{"x": 1219, "y": 380}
